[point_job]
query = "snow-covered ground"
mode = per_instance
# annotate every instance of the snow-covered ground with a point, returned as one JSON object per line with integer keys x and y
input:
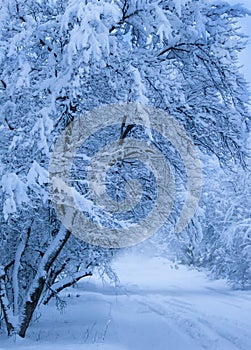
{"x": 155, "y": 307}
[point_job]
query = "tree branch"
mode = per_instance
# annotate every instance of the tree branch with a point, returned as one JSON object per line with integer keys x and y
{"x": 64, "y": 283}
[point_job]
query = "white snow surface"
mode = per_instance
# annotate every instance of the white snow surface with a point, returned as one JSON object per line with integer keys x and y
{"x": 154, "y": 306}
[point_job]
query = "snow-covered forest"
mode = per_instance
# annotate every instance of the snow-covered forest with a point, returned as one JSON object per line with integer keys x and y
{"x": 141, "y": 112}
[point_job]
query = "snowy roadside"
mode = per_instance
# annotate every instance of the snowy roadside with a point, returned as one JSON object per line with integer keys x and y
{"x": 154, "y": 307}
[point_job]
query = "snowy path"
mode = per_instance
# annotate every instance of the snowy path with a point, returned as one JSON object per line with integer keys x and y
{"x": 155, "y": 307}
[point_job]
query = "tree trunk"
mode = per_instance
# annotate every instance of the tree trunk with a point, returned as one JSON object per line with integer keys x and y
{"x": 30, "y": 306}
{"x": 36, "y": 289}
{"x": 4, "y": 302}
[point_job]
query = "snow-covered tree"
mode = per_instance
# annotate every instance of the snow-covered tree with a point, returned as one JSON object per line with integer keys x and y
{"x": 226, "y": 245}
{"x": 61, "y": 58}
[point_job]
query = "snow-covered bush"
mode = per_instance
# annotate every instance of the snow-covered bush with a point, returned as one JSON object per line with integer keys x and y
{"x": 226, "y": 245}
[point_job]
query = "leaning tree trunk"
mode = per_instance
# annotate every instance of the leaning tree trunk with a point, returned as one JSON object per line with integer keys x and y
{"x": 30, "y": 307}
{"x": 17, "y": 319}
{"x": 37, "y": 287}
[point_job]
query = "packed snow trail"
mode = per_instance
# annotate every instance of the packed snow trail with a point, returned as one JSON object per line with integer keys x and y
{"x": 155, "y": 306}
